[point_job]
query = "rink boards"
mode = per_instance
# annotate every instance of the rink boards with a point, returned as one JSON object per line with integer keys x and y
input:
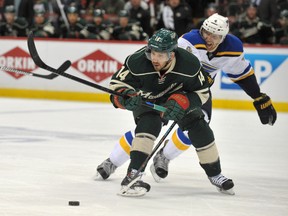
{"x": 96, "y": 61}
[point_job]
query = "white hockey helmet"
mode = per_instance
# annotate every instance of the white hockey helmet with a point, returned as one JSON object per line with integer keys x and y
{"x": 216, "y": 24}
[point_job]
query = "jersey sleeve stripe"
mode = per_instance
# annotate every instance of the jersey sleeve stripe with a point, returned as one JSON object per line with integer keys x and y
{"x": 200, "y": 46}
{"x": 230, "y": 53}
{"x": 248, "y": 72}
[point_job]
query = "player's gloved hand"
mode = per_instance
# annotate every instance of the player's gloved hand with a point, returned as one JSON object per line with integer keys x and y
{"x": 265, "y": 109}
{"x": 131, "y": 102}
{"x": 176, "y": 106}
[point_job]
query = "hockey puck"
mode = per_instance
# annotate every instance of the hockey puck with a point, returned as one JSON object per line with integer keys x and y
{"x": 74, "y": 203}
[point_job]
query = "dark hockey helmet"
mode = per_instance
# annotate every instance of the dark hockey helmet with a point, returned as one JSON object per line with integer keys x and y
{"x": 9, "y": 9}
{"x": 98, "y": 13}
{"x": 163, "y": 40}
{"x": 123, "y": 13}
{"x": 72, "y": 10}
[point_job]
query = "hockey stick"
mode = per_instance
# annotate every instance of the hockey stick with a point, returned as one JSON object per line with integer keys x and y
{"x": 64, "y": 67}
{"x": 38, "y": 61}
{"x": 123, "y": 191}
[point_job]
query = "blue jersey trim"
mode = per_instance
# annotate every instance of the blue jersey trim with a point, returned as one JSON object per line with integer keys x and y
{"x": 247, "y": 69}
{"x": 231, "y": 43}
{"x": 129, "y": 137}
{"x": 182, "y": 137}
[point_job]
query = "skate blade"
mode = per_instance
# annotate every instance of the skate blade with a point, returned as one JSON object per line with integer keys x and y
{"x": 228, "y": 192}
{"x": 154, "y": 174}
{"x": 129, "y": 192}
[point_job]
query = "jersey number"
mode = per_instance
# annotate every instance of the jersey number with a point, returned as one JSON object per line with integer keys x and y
{"x": 122, "y": 74}
{"x": 201, "y": 78}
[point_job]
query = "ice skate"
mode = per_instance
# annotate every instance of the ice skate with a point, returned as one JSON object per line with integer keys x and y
{"x": 159, "y": 168}
{"x": 106, "y": 168}
{"x": 223, "y": 184}
{"x": 135, "y": 187}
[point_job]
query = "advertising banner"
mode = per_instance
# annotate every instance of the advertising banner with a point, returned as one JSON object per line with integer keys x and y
{"x": 96, "y": 61}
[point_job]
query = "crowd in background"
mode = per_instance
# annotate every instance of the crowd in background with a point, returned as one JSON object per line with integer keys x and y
{"x": 253, "y": 21}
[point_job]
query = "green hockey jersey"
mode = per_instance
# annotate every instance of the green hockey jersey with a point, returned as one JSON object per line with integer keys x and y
{"x": 184, "y": 75}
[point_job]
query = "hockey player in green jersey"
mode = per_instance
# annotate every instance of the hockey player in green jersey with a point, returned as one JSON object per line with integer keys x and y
{"x": 172, "y": 77}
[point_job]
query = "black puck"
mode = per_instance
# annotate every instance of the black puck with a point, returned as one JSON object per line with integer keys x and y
{"x": 74, "y": 203}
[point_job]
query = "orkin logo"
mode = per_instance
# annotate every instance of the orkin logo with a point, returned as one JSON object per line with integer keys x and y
{"x": 97, "y": 65}
{"x": 17, "y": 59}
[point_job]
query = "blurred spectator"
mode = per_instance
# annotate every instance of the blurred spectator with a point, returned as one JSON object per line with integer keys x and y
{"x": 232, "y": 7}
{"x": 112, "y": 6}
{"x": 129, "y": 4}
{"x": 87, "y": 15}
{"x": 176, "y": 16}
{"x": 3, "y": 4}
{"x": 98, "y": 28}
{"x": 250, "y": 29}
{"x": 140, "y": 13}
{"x": 209, "y": 11}
{"x": 281, "y": 28}
{"x": 13, "y": 25}
{"x": 198, "y": 7}
{"x": 76, "y": 25}
{"x": 42, "y": 26}
{"x": 27, "y": 7}
{"x": 238, "y": 7}
{"x": 126, "y": 30}
{"x": 26, "y": 10}
{"x": 268, "y": 11}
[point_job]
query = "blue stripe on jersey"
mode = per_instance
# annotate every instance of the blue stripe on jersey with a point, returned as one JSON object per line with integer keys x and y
{"x": 247, "y": 69}
{"x": 194, "y": 37}
{"x": 230, "y": 44}
{"x": 182, "y": 137}
{"x": 129, "y": 137}
{"x": 208, "y": 68}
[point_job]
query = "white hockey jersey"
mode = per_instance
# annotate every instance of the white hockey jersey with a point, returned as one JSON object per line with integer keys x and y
{"x": 228, "y": 57}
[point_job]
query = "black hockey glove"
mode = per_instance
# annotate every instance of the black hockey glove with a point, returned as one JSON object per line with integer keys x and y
{"x": 131, "y": 102}
{"x": 265, "y": 109}
{"x": 176, "y": 106}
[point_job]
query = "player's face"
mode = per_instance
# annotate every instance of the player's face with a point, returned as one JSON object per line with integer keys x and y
{"x": 212, "y": 40}
{"x": 72, "y": 17}
{"x": 159, "y": 59}
{"x": 9, "y": 17}
{"x": 123, "y": 21}
{"x": 38, "y": 19}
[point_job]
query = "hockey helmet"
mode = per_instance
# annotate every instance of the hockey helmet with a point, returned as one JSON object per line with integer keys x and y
{"x": 72, "y": 10}
{"x": 39, "y": 11}
{"x": 98, "y": 13}
{"x": 163, "y": 40}
{"x": 9, "y": 9}
{"x": 123, "y": 13}
{"x": 216, "y": 24}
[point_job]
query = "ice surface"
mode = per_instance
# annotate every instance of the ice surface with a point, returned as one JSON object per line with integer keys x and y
{"x": 49, "y": 151}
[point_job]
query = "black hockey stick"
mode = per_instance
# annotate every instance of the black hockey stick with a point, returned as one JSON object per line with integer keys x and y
{"x": 38, "y": 61}
{"x": 64, "y": 67}
{"x": 123, "y": 191}
{"x": 36, "y": 58}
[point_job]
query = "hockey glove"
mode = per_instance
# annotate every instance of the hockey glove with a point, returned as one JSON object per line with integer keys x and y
{"x": 176, "y": 106}
{"x": 265, "y": 109}
{"x": 131, "y": 102}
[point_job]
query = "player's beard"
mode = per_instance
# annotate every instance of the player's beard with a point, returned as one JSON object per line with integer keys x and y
{"x": 157, "y": 66}
{"x": 160, "y": 67}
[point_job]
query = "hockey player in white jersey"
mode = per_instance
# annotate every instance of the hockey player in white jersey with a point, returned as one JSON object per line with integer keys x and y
{"x": 218, "y": 51}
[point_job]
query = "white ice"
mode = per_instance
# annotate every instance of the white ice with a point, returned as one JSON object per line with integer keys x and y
{"x": 49, "y": 151}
